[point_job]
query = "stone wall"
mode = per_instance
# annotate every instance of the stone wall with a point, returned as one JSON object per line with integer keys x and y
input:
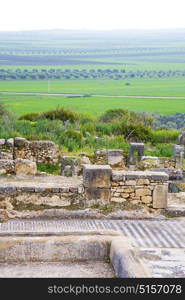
{"x": 104, "y": 185}
{"x": 101, "y": 185}
{"x": 37, "y": 151}
{"x": 148, "y": 188}
{"x": 34, "y": 196}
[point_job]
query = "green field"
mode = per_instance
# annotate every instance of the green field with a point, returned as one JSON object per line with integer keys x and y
{"x": 132, "y": 51}
{"x": 91, "y": 105}
{"x": 137, "y": 87}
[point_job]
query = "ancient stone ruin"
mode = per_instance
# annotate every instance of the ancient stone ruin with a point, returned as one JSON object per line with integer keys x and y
{"x": 107, "y": 178}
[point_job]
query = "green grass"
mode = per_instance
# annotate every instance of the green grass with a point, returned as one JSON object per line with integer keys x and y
{"x": 91, "y": 105}
{"x": 143, "y": 87}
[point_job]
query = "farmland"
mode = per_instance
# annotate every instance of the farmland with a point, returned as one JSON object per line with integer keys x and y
{"x": 93, "y": 106}
{"x": 118, "y": 63}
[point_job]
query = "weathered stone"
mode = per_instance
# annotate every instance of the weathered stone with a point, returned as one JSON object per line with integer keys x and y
{"x": 67, "y": 171}
{"x": 135, "y": 147}
{"x": 143, "y": 182}
{"x": 148, "y": 162}
{"x": 19, "y": 142}
{"x": 160, "y": 196}
{"x": 97, "y": 176}
{"x": 98, "y": 195}
{"x": 2, "y": 142}
{"x": 115, "y": 157}
{"x": 37, "y": 151}
{"x": 10, "y": 142}
{"x": 7, "y": 167}
{"x": 25, "y": 167}
{"x": 118, "y": 200}
{"x": 125, "y": 195}
{"x": 117, "y": 176}
{"x": 146, "y": 199}
{"x": 143, "y": 192}
{"x": 130, "y": 182}
{"x": 178, "y": 153}
{"x": 73, "y": 166}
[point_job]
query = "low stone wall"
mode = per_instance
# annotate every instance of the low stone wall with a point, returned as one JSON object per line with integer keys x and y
{"x": 37, "y": 151}
{"x": 104, "y": 185}
{"x": 148, "y": 188}
{"x": 33, "y": 196}
{"x": 101, "y": 185}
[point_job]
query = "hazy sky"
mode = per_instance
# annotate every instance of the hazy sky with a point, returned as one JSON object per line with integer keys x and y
{"x": 91, "y": 14}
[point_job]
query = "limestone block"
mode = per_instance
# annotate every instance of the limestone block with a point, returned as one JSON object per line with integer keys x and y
{"x": 118, "y": 200}
{"x": 2, "y": 142}
{"x": 7, "y": 166}
{"x": 10, "y": 142}
{"x": 146, "y": 199}
{"x": 125, "y": 195}
{"x": 115, "y": 157}
{"x": 25, "y": 167}
{"x": 97, "y": 176}
{"x": 98, "y": 194}
{"x": 143, "y": 182}
{"x": 117, "y": 176}
{"x": 143, "y": 192}
{"x": 130, "y": 182}
{"x": 160, "y": 196}
{"x": 19, "y": 141}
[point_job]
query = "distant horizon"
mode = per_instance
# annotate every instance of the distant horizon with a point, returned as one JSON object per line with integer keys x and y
{"x": 21, "y": 15}
{"x": 94, "y": 29}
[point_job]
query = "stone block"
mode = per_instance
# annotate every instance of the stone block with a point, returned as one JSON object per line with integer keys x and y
{"x": 97, "y": 176}
{"x": 2, "y": 142}
{"x": 130, "y": 182}
{"x": 160, "y": 196}
{"x": 143, "y": 182}
{"x": 117, "y": 176}
{"x": 25, "y": 167}
{"x": 19, "y": 142}
{"x": 115, "y": 157}
{"x": 98, "y": 195}
{"x": 139, "y": 149}
{"x": 143, "y": 192}
{"x": 146, "y": 199}
{"x": 7, "y": 167}
{"x": 118, "y": 200}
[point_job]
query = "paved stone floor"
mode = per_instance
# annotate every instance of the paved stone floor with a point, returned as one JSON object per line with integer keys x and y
{"x": 88, "y": 269}
{"x": 142, "y": 233}
{"x": 160, "y": 244}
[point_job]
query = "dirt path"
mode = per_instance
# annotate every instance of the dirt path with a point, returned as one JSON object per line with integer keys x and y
{"x": 94, "y": 95}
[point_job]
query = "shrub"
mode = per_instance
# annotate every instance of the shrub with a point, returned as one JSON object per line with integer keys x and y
{"x": 30, "y": 117}
{"x": 60, "y": 114}
{"x": 164, "y": 136}
{"x": 137, "y": 133}
{"x": 114, "y": 114}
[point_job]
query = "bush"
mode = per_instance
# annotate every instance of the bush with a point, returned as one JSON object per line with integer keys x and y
{"x": 164, "y": 136}
{"x": 60, "y": 114}
{"x": 114, "y": 114}
{"x": 30, "y": 117}
{"x": 137, "y": 133}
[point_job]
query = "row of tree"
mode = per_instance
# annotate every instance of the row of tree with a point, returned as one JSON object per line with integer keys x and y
{"x": 34, "y": 74}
